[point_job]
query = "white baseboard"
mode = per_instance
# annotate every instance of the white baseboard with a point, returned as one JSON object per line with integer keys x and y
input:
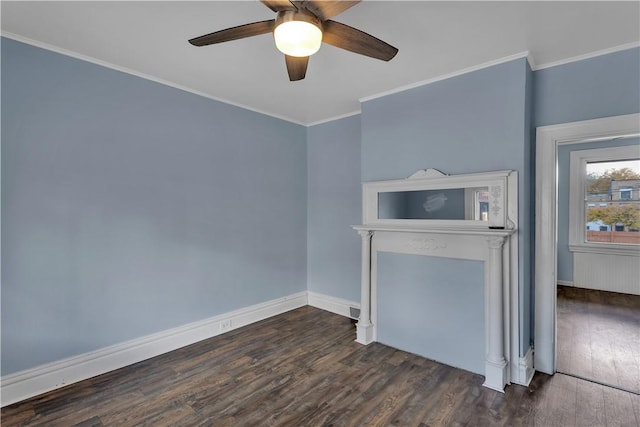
{"x": 333, "y": 304}
{"x": 565, "y": 283}
{"x": 525, "y": 368}
{"x": 32, "y": 382}
{"x": 41, "y": 379}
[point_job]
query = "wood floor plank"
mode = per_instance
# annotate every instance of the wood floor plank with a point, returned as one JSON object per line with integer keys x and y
{"x": 303, "y": 368}
{"x": 91, "y": 422}
{"x": 73, "y": 414}
{"x": 618, "y": 408}
{"x": 18, "y": 415}
{"x": 557, "y": 408}
{"x": 598, "y": 336}
{"x": 635, "y": 402}
{"x": 590, "y": 409}
{"x": 390, "y": 396}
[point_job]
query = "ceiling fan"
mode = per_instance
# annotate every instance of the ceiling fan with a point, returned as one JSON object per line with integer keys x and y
{"x": 299, "y": 29}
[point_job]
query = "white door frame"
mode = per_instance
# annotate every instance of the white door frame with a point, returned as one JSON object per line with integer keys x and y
{"x": 548, "y": 138}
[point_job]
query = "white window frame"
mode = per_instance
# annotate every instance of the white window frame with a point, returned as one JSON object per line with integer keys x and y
{"x": 625, "y": 190}
{"x": 577, "y": 214}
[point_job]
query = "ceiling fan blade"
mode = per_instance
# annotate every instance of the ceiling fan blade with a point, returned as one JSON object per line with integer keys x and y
{"x": 235, "y": 33}
{"x": 354, "y": 40}
{"x": 278, "y": 5}
{"x": 325, "y": 9}
{"x": 296, "y": 67}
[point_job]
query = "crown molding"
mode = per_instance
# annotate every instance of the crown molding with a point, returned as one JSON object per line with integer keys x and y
{"x": 145, "y": 76}
{"x": 525, "y": 54}
{"x": 590, "y": 55}
{"x": 448, "y": 76}
{"x": 334, "y": 118}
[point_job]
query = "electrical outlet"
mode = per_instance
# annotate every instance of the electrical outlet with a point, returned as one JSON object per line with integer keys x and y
{"x": 225, "y": 325}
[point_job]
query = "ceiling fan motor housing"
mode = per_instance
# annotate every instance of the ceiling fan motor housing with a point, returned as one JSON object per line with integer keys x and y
{"x": 297, "y": 15}
{"x": 297, "y": 33}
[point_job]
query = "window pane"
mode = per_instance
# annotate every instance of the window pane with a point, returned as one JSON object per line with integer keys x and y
{"x": 612, "y": 202}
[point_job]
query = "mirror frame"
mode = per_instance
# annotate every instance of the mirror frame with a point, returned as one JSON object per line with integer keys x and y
{"x": 502, "y": 187}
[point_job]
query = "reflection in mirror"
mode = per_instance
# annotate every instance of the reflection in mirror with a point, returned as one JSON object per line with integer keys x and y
{"x": 447, "y": 204}
{"x": 477, "y": 203}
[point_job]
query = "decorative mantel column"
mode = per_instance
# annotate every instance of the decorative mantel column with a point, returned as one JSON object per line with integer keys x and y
{"x": 495, "y": 363}
{"x": 364, "y": 327}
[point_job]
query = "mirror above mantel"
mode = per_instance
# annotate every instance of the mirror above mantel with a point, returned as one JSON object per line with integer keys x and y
{"x": 430, "y": 198}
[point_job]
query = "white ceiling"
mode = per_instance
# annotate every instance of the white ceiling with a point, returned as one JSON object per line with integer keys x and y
{"x": 434, "y": 39}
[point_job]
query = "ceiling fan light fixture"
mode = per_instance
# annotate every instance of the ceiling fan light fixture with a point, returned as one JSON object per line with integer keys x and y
{"x": 299, "y": 30}
{"x": 297, "y": 34}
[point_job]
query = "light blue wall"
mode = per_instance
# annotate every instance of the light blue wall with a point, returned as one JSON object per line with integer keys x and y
{"x": 334, "y": 201}
{"x": 129, "y": 207}
{"x": 565, "y": 257}
{"x": 437, "y": 287}
{"x": 470, "y": 123}
{"x": 604, "y": 86}
{"x": 459, "y": 124}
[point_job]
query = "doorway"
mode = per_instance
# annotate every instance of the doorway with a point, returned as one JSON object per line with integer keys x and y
{"x": 548, "y": 140}
{"x": 598, "y": 294}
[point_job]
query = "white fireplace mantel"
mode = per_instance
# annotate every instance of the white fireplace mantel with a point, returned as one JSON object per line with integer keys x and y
{"x": 496, "y": 247}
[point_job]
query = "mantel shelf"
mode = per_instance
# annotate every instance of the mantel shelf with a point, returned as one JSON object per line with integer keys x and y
{"x": 477, "y": 231}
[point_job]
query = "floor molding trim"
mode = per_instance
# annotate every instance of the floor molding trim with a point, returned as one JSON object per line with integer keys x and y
{"x": 525, "y": 368}
{"x": 335, "y": 305}
{"x": 32, "y": 382}
{"x": 565, "y": 283}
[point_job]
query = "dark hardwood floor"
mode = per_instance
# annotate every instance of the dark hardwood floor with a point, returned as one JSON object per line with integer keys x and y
{"x": 303, "y": 368}
{"x": 599, "y": 336}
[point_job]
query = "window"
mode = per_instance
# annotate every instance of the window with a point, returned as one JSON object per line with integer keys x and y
{"x": 604, "y": 206}
{"x": 625, "y": 193}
